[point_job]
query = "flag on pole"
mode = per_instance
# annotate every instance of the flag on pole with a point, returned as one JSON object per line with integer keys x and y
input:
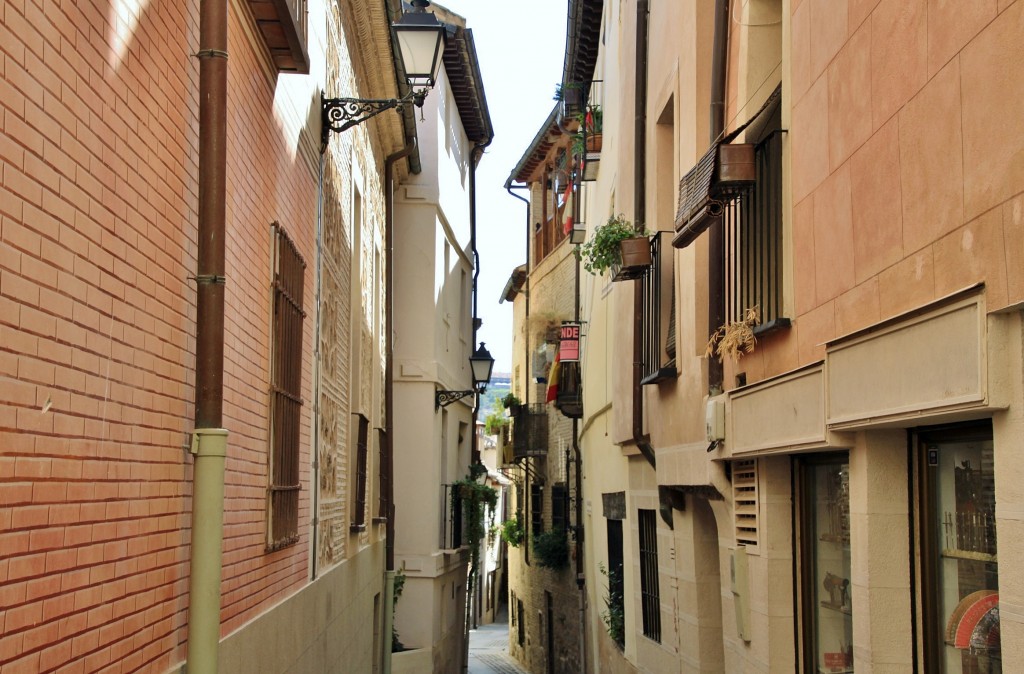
{"x": 567, "y": 224}
{"x": 552, "y": 391}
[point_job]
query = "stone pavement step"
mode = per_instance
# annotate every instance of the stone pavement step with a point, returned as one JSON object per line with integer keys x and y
{"x": 488, "y": 651}
{"x": 494, "y": 664}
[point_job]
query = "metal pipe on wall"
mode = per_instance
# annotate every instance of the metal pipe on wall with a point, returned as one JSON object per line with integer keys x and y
{"x": 639, "y": 218}
{"x": 716, "y": 234}
{"x": 209, "y": 443}
{"x": 389, "y": 395}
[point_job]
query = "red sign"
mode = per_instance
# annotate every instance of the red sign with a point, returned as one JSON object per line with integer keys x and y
{"x": 569, "y": 344}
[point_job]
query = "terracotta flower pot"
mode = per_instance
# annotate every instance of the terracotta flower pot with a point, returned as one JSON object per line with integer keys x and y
{"x": 594, "y": 143}
{"x": 636, "y": 252}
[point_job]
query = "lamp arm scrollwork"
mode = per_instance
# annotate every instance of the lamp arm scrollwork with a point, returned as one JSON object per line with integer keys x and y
{"x": 341, "y": 114}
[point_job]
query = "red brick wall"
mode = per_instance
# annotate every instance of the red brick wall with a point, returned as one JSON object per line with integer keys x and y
{"x": 98, "y": 196}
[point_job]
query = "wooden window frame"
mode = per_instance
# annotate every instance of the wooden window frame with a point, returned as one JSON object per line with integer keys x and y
{"x": 361, "y": 449}
{"x": 284, "y": 483}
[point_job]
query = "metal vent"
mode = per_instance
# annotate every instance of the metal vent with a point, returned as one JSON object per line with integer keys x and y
{"x": 745, "y": 501}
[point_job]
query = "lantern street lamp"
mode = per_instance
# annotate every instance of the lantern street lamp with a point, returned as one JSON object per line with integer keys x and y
{"x": 481, "y": 363}
{"x": 420, "y": 39}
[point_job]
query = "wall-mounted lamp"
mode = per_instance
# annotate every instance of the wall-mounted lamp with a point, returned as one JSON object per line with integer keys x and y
{"x": 481, "y": 363}
{"x": 578, "y": 233}
{"x": 420, "y": 39}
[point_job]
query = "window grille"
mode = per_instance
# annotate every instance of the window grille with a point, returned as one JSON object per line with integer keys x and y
{"x": 659, "y": 329}
{"x": 451, "y": 519}
{"x": 650, "y": 595}
{"x": 285, "y": 391}
{"x": 359, "y": 504}
{"x": 753, "y": 235}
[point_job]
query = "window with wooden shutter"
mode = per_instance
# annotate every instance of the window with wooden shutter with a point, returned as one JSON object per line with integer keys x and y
{"x": 359, "y": 504}
{"x": 383, "y": 472}
{"x": 285, "y": 392}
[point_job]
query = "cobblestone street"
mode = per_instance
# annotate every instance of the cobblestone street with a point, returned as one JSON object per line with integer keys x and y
{"x": 488, "y": 650}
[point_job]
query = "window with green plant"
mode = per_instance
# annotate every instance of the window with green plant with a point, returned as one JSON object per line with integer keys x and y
{"x": 551, "y": 549}
{"x": 613, "y": 615}
{"x": 512, "y": 531}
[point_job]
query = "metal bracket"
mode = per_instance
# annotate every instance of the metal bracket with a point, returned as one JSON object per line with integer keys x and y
{"x": 341, "y": 114}
{"x": 446, "y": 398}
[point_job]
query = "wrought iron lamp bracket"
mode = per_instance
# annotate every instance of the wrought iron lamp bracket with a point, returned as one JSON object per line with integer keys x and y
{"x": 445, "y": 398}
{"x": 341, "y": 114}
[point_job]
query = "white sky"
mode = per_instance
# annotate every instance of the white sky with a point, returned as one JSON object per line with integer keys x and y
{"x": 521, "y": 47}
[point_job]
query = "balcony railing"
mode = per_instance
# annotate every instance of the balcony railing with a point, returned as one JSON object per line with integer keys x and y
{"x": 530, "y": 431}
{"x": 753, "y": 232}
{"x": 659, "y": 330}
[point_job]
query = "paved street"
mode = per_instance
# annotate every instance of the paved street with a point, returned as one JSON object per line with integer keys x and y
{"x": 488, "y": 650}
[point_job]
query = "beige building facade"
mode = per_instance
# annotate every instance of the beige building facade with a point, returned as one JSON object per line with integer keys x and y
{"x": 435, "y": 271}
{"x": 840, "y": 494}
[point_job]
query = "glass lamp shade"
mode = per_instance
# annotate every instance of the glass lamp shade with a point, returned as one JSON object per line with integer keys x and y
{"x": 481, "y": 363}
{"x": 420, "y": 39}
{"x": 578, "y": 233}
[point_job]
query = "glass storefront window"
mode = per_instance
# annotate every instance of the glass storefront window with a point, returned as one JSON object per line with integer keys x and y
{"x": 828, "y": 608}
{"x": 963, "y": 632}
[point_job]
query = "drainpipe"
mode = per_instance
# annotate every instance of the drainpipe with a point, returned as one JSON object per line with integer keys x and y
{"x": 716, "y": 235}
{"x": 389, "y": 396}
{"x": 209, "y": 440}
{"x": 474, "y": 159}
{"x": 640, "y": 216}
{"x": 526, "y": 295}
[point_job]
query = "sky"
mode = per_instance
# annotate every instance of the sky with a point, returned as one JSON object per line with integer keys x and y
{"x": 521, "y": 47}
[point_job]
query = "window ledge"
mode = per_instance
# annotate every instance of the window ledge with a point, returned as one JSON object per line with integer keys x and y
{"x": 774, "y": 325}
{"x": 660, "y": 375}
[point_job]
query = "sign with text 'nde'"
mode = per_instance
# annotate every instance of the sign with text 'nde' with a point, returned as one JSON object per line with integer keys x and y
{"x": 569, "y": 343}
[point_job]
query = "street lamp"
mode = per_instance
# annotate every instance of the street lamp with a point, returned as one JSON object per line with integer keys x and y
{"x": 480, "y": 363}
{"x": 420, "y": 39}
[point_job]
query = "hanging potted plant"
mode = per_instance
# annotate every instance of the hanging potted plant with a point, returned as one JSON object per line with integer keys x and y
{"x": 617, "y": 244}
{"x": 591, "y": 125}
{"x": 511, "y": 402}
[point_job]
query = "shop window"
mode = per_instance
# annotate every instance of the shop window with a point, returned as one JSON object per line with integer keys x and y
{"x": 825, "y": 565}
{"x": 960, "y": 584}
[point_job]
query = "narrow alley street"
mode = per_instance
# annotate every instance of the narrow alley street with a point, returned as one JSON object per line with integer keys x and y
{"x": 488, "y": 649}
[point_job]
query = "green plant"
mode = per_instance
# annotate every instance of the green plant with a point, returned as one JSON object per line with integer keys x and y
{"x": 512, "y": 531}
{"x": 510, "y": 399}
{"x": 560, "y": 89}
{"x": 551, "y": 549}
{"x": 474, "y": 498}
{"x": 614, "y": 613}
{"x": 396, "y": 644}
{"x": 602, "y": 250}
{"x": 494, "y": 422}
